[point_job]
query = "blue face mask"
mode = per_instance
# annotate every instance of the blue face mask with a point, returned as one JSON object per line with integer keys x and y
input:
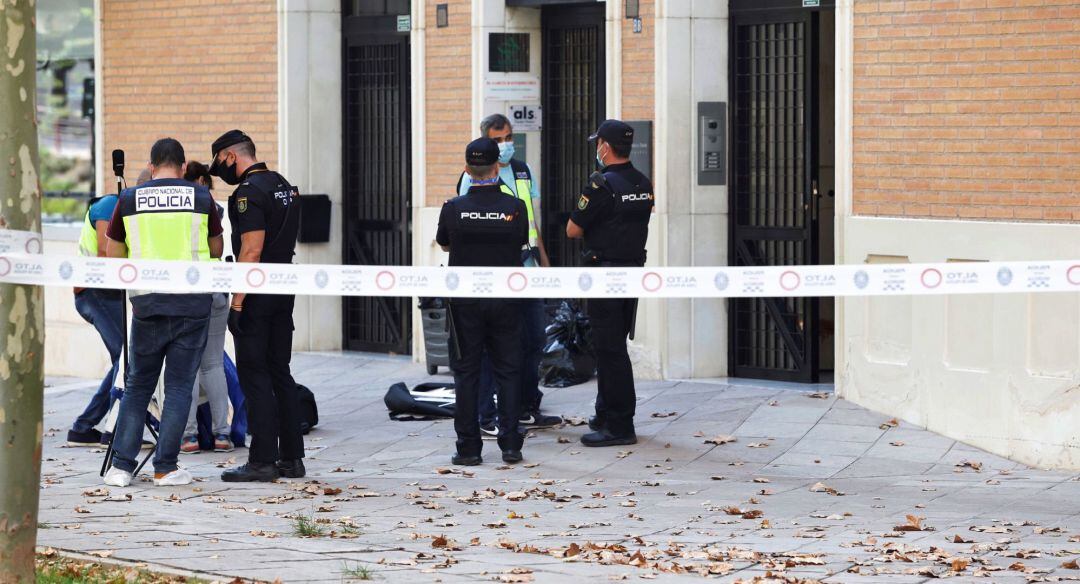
{"x": 599, "y": 161}
{"x": 506, "y": 152}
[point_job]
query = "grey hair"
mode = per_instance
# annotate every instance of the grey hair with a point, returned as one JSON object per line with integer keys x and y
{"x": 494, "y": 121}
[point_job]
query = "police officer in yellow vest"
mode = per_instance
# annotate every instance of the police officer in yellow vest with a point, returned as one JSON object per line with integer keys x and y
{"x": 517, "y": 180}
{"x": 167, "y": 218}
{"x": 102, "y": 308}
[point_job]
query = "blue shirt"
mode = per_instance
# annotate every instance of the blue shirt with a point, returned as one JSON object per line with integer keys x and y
{"x": 506, "y": 175}
{"x": 103, "y": 209}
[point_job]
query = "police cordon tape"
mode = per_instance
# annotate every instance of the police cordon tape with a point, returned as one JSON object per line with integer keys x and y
{"x": 467, "y": 282}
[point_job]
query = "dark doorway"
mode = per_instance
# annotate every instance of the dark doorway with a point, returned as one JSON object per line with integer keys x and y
{"x": 377, "y": 169}
{"x": 782, "y": 172}
{"x": 573, "y": 100}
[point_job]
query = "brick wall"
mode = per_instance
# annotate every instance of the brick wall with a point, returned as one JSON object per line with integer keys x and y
{"x": 448, "y": 97}
{"x": 638, "y": 65}
{"x": 967, "y": 109}
{"x": 189, "y": 69}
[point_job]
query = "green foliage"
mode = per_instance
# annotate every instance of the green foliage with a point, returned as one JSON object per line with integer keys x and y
{"x": 306, "y": 526}
{"x": 357, "y": 572}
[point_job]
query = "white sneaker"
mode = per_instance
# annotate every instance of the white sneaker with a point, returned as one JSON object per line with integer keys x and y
{"x": 115, "y": 477}
{"x": 175, "y": 478}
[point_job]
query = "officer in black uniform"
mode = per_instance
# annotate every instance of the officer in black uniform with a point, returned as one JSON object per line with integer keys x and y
{"x": 265, "y": 221}
{"x": 485, "y": 228}
{"x": 612, "y": 216}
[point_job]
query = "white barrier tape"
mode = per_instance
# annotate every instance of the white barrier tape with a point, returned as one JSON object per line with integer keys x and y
{"x": 669, "y": 282}
{"x": 16, "y": 242}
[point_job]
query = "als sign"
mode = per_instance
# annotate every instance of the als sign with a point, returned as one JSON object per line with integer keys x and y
{"x": 526, "y": 118}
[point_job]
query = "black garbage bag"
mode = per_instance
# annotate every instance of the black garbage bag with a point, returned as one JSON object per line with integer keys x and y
{"x": 568, "y": 354}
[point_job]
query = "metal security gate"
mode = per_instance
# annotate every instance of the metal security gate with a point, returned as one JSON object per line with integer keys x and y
{"x": 774, "y": 115}
{"x": 377, "y": 169}
{"x": 573, "y": 101}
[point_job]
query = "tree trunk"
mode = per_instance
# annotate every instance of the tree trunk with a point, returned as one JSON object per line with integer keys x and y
{"x": 22, "y": 320}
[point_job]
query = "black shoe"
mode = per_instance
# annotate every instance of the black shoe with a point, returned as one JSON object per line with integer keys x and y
{"x": 90, "y": 437}
{"x": 489, "y": 431}
{"x": 535, "y": 419}
{"x": 511, "y": 456}
{"x": 596, "y": 424}
{"x": 291, "y": 469}
{"x": 606, "y": 438}
{"x": 462, "y": 460}
{"x": 106, "y": 438}
{"x": 252, "y": 472}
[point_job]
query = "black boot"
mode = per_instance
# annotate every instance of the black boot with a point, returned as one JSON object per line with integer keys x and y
{"x": 605, "y": 438}
{"x": 466, "y": 460}
{"x": 251, "y": 472}
{"x": 292, "y": 469}
{"x": 510, "y": 456}
{"x": 596, "y": 424}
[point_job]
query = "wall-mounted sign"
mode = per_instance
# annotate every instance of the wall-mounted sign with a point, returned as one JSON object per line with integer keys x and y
{"x": 811, "y": 3}
{"x": 526, "y": 118}
{"x": 508, "y": 52}
{"x": 641, "y": 153}
{"x": 512, "y": 87}
{"x": 404, "y": 23}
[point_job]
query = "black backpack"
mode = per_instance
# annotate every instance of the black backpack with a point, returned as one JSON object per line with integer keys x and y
{"x": 309, "y": 411}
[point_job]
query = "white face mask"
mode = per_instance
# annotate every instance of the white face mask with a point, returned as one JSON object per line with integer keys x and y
{"x": 506, "y": 152}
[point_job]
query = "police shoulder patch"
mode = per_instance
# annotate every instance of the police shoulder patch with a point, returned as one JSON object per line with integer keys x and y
{"x": 241, "y": 204}
{"x": 582, "y": 202}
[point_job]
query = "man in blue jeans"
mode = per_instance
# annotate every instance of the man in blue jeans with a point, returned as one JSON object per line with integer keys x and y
{"x": 104, "y": 310}
{"x": 517, "y": 180}
{"x": 167, "y": 218}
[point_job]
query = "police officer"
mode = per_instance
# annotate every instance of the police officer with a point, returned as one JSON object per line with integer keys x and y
{"x": 486, "y": 228}
{"x": 612, "y": 216}
{"x": 265, "y": 219}
{"x": 166, "y": 218}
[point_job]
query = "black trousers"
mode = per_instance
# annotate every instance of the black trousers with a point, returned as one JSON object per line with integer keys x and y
{"x": 495, "y": 326}
{"x": 616, "y": 398}
{"x": 263, "y": 354}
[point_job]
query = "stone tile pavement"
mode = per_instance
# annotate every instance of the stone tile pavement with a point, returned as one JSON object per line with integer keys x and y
{"x": 812, "y": 488}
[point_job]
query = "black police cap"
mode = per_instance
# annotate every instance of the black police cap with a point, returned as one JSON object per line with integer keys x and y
{"x": 615, "y": 132}
{"x": 482, "y": 152}
{"x": 230, "y": 138}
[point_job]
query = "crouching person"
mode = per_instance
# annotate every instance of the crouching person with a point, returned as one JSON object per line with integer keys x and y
{"x": 166, "y": 218}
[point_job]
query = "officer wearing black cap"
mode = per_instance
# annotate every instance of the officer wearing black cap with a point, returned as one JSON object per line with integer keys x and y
{"x": 485, "y": 228}
{"x": 265, "y": 220}
{"x": 612, "y": 216}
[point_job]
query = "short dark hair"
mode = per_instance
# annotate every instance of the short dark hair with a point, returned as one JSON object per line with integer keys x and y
{"x": 247, "y": 148}
{"x": 197, "y": 171}
{"x": 167, "y": 152}
{"x": 620, "y": 151}
{"x": 494, "y": 122}
{"x": 476, "y": 172}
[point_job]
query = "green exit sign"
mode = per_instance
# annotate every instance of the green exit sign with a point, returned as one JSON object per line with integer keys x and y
{"x": 811, "y": 3}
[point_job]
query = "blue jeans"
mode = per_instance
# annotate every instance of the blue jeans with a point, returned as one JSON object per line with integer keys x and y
{"x": 533, "y": 322}
{"x": 178, "y": 343}
{"x": 105, "y": 310}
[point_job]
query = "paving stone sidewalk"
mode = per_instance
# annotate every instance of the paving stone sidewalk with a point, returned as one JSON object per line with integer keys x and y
{"x": 812, "y": 488}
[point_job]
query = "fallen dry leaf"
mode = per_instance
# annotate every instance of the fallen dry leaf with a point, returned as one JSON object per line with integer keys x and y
{"x": 721, "y": 439}
{"x": 1070, "y": 565}
{"x": 102, "y": 553}
{"x": 757, "y": 445}
{"x": 823, "y": 488}
{"x": 913, "y": 524}
{"x": 664, "y": 414}
{"x": 890, "y": 424}
{"x": 957, "y": 539}
{"x": 818, "y": 395}
{"x": 976, "y": 466}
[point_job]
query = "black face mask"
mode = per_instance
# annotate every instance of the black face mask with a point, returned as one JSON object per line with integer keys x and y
{"x": 228, "y": 174}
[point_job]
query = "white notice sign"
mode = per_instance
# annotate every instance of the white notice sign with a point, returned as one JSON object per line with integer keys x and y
{"x": 526, "y": 118}
{"x": 512, "y": 88}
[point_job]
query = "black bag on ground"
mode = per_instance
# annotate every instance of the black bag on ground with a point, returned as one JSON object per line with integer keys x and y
{"x": 568, "y": 357}
{"x": 309, "y": 411}
{"x": 424, "y": 402}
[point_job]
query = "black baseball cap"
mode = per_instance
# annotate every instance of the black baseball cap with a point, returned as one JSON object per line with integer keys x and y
{"x": 481, "y": 152}
{"x": 230, "y": 138}
{"x": 616, "y": 132}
